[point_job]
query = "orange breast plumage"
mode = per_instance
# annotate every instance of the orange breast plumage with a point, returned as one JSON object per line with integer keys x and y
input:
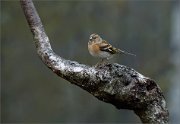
{"x": 93, "y": 49}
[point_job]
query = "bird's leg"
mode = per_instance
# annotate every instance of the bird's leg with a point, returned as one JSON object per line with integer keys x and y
{"x": 102, "y": 62}
{"x": 99, "y": 63}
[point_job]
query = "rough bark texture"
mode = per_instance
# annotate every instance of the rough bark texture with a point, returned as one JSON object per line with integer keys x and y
{"x": 117, "y": 84}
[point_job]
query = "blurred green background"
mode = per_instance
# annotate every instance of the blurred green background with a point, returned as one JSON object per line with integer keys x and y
{"x": 30, "y": 92}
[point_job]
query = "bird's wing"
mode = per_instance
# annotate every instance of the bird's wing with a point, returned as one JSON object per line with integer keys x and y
{"x": 105, "y": 46}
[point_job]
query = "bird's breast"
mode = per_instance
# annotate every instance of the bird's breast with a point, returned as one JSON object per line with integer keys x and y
{"x": 94, "y": 49}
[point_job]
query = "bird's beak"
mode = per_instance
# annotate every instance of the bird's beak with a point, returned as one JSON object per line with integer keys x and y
{"x": 90, "y": 38}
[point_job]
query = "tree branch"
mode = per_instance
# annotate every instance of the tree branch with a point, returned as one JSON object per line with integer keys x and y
{"x": 117, "y": 84}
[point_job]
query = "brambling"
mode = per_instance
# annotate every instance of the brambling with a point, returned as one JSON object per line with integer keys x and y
{"x": 102, "y": 49}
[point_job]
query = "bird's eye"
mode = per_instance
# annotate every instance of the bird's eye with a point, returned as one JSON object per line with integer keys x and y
{"x": 92, "y": 38}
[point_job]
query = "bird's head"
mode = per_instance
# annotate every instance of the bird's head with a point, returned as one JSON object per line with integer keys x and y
{"x": 95, "y": 38}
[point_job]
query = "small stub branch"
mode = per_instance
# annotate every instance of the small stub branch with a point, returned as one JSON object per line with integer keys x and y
{"x": 116, "y": 84}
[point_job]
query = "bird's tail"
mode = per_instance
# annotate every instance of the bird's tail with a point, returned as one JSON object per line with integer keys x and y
{"x": 124, "y": 52}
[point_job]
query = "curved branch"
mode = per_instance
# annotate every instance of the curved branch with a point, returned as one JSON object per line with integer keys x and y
{"x": 117, "y": 84}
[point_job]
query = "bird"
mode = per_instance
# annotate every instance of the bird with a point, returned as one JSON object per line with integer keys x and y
{"x": 100, "y": 48}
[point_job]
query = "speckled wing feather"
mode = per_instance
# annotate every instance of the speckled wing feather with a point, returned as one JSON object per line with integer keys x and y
{"x": 104, "y": 46}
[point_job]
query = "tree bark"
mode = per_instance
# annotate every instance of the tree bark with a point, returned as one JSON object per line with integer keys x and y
{"x": 116, "y": 84}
